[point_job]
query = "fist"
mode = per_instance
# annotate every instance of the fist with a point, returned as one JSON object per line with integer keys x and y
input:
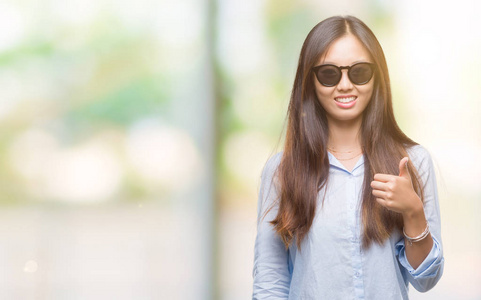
{"x": 396, "y": 193}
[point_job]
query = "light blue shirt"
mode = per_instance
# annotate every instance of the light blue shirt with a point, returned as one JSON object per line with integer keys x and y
{"x": 332, "y": 264}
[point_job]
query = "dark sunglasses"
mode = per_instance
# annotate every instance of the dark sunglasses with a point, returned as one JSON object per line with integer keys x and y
{"x": 330, "y": 75}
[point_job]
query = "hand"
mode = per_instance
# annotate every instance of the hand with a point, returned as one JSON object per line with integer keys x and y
{"x": 397, "y": 193}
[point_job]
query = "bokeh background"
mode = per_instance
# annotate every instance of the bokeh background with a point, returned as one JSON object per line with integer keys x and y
{"x": 133, "y": 135}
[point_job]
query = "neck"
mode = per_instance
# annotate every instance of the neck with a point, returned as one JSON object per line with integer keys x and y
{"x": 344, "y": 135}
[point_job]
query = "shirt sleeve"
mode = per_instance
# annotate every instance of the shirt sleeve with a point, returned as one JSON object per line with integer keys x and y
{"x": 271, "y": 273}
{"x": 430, "y": 270}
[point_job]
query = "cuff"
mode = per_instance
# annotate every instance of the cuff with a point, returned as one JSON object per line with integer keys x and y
{"x": 427, "y": 267}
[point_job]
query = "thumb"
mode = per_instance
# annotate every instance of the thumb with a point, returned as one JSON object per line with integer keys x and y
{"x": 403, "y": 168}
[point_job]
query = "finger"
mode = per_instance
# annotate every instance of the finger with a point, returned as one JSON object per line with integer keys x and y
{"x": 386, "y": 203}
{"x": 378, "y": 185}
{"x": 403, "y": 168}
{"x": 383, "y": 177}
{"x": 381, "y": 201}
{"x": 379, "y": 194}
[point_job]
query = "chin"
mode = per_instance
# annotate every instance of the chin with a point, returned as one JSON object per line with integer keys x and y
{"x": 347, "y": 116}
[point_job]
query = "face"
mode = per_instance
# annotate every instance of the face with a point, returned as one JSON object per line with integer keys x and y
{"x": 345, "y": 101}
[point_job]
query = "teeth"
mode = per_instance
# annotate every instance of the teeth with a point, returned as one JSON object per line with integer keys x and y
{"x": 345, "y": 100}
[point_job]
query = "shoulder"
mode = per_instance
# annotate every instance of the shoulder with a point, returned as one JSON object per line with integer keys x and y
{"x": 420, "y": 157}
{"x": 269, "y": 184}
{"x": 418, "y": 153}
{"x": 271, "y": 165}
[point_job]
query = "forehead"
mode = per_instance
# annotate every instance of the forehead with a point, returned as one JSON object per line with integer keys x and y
{"x": 345, "y": 51}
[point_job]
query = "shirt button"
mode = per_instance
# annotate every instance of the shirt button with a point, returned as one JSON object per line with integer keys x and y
{"x": 353, "y": 239}
{"x": 357, "y": 274}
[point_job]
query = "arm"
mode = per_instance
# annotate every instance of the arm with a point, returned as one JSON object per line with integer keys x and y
{"x": 415, "y": 224}
{"x": 271, "y": 274}
{"x": 423, "y": 261}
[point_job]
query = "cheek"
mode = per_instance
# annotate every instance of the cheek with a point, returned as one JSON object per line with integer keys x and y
{"x": 321, "y": 96}
{"x": 367, "y": 91}
{"x": 323, "y": 93}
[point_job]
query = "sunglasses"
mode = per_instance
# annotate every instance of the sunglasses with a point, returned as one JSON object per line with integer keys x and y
{"x": 330, "y": 75}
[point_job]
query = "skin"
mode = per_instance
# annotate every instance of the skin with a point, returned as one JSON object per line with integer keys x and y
{"x": 393, "y": 192}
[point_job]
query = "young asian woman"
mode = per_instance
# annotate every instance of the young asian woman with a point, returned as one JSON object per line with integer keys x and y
{"x": 349, "y": 209}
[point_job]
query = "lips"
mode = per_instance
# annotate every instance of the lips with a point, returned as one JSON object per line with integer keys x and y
{"x": 345, "y": 99}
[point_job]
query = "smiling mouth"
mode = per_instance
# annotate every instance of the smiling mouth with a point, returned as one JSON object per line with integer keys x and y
{"x": 345, "y": 99}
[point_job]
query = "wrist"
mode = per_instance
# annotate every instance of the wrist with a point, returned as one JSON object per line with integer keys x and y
{"x": 414, "y": 221}
{"x": 415, "y": 213}
{"x": 418, "y": 238}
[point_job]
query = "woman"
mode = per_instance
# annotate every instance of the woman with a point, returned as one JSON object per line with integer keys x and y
{"x": 349, "y": 209}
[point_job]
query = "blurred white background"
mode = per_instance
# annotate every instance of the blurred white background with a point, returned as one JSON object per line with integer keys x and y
{"x": 133, "y": 135}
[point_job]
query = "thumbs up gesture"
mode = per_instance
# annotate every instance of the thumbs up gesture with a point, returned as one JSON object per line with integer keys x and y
{"x": 397, "y": 193}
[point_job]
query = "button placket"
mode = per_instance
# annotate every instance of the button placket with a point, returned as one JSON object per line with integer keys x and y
{"x": 356, "y": 239}
{"x": 352, "y": 201}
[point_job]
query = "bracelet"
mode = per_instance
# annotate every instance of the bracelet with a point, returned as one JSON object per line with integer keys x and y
{"x": 418, "y": 238}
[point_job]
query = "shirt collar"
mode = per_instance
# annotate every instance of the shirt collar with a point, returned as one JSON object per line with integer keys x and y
{"x": 333, "y": 161}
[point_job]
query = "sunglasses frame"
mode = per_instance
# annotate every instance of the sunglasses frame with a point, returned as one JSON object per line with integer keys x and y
{"x": 340, "y": 68}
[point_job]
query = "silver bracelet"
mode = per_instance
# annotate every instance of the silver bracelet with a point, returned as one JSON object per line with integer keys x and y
{"x": 418, "y": 238}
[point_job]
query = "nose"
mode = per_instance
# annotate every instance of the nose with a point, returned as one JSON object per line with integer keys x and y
{"x": 345, "y": 83}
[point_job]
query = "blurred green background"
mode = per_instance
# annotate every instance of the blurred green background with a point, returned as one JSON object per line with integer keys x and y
{"x": 133, "y": 135}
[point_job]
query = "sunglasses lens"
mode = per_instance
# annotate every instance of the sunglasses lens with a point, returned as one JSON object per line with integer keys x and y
{"x": 328, "y": 75}
{"x": 360, "y": 73}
